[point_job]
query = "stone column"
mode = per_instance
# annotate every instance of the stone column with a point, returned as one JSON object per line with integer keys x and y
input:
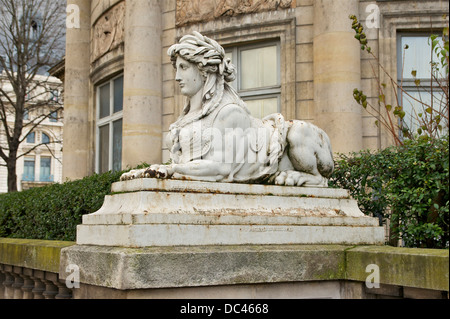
{"x": 336, "y": 73}
{"x": 142, "y": 122}
{"x": 76, "y": 95}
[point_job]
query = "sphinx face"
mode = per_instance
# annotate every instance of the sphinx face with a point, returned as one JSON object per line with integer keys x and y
{"x": 188, "y": 77}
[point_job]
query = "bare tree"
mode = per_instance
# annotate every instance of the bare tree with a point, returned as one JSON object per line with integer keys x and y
{"x": 31, "y": 41}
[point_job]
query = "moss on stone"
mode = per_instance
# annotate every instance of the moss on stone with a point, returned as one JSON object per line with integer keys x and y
{"x": 411, "y": 267}
{"x": 239, "y": 264}
{"x": 36, "y": 254}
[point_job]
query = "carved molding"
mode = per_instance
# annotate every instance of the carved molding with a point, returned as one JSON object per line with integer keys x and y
{"x": 108, "y": 31}
{"x": 193, "y": 11}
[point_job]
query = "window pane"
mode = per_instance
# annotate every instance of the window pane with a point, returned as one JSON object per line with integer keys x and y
{"x": 117, "y": 145}
{"x": 45, "y": 138}
{"x": 104, "y": 149}
{"x": 54, "y": 116}
{"x": 31, "y": 138}
{"x": 259, "y": 67}
{"x": 28, "y": 170}
{"x": 263, "y": 107}
{"x": 118, "y": 94}
{"x": 104, "y": 101}
{"x": 417, "y": 103}
{"x": 229, "y": 55}
{"x": 417, "y": 57}
{"x": 45, "y": 169}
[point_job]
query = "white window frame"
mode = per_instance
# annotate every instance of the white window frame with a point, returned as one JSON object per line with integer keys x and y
{"x": 261, "y": 92}
{"x": 29, "y": 159}
{"x": 107, "y": 120}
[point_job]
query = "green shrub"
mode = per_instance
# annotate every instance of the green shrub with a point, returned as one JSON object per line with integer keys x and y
{"x": 408, "y": 184}
{"x": 52, "y": 212}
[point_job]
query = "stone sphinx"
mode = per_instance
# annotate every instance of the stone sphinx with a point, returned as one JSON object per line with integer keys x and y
{"x": 217, "y": 139}
{"x": 215, "y": 190}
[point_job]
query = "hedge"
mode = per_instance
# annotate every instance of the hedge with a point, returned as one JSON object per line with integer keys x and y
{"x": 52, "y": 212}
{"x": 408, "y": 185}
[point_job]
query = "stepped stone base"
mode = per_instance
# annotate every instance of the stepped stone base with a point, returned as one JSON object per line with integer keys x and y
{"x": 155, "y": 212}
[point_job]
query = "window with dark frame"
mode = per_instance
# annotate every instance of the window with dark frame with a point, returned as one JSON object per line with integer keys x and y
{"x": 109, "y": 125}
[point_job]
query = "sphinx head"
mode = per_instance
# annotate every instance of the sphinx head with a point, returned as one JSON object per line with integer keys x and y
{"x": 196, "y": 50}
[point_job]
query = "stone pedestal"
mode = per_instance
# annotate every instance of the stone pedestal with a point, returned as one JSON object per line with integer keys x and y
{"x": 154, "y": 212}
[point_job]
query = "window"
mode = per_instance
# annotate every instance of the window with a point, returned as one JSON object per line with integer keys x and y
{"x": 28, "y": 169}
{"x": 53, "y": 116}
{"x": 109, "y": 125}
{"x": 45, "y": 139}
{"x": 258, "y": 79}
{"x": 31, "y": 138}
{"x": 414, "y": 67}
{"x": 54, "y": 95}
{"x": 45, "y": 175}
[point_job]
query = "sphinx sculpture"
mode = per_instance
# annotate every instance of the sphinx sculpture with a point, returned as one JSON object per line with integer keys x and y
{"x": 217, "y": 139}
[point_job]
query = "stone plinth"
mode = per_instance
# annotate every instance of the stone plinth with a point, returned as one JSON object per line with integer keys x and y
{"x": 154, "y": 212}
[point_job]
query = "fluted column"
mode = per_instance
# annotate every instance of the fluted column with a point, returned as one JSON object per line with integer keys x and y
{"x": 336, "y": 73}
{"x": 76, "y": 95}
{"x": 142, "y": 127}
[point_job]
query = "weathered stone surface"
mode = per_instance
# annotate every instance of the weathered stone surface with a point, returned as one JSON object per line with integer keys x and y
{"x": 32, "y": 253}
{"x": 164, "y": 267}
{"x": 213, "y": 266}
{"x": 217, "y": 139}
{"x": 108, "y": 31}
{"x": 154, "y": 212}
{"x": 413, "y": 267}
{"x": 192, "y": 11}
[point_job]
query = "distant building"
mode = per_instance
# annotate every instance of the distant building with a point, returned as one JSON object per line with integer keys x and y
{"x": 42, "y": 165}
{"x": 121, "y": 95}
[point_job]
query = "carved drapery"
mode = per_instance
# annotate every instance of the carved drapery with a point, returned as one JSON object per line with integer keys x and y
{"x": 192, "y": 11}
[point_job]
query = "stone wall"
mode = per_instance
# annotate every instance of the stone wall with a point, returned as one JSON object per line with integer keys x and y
{"x": 39, "y": 269}
{"x": 29, "y": 269}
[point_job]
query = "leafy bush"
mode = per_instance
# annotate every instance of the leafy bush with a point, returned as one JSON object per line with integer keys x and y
{"x": 408, "y": 184}
{"x": 429, "y": 117}
{"x": 52, "y": 212}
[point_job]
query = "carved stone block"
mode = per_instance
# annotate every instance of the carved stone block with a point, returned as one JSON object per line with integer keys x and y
{"x": 108, "y": 31}
{"x": 192, "y": 11}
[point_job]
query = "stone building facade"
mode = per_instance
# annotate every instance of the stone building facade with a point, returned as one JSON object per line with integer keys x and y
{"x": 297, "y": 57}
{"x": 41, "y": 163}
